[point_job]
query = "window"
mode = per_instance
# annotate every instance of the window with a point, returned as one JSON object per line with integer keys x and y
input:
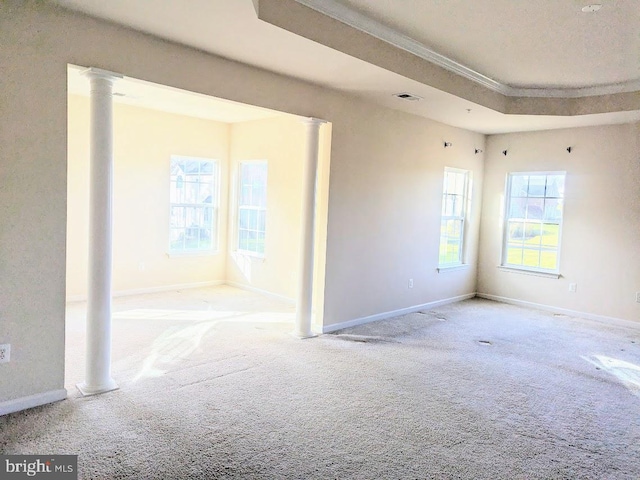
{"x": 193, "y": 197}
{"x": 454, "y": 208}
{"x": 533, "y": 220}
{"x": 252, "y": 207}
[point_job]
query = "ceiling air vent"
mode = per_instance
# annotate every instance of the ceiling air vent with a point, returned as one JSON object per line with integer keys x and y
{"x": 408, "y": 96}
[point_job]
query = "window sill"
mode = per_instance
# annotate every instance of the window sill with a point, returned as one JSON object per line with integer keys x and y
{"x": 452, "y": 268}
{"x": 534, "y": 273}
{"x": 244, "y": 253}
{"x": 195, "y": 253}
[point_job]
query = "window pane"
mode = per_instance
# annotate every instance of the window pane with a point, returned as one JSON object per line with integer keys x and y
{"x": 205, "y": 239}
{"x": 177, "y": 238}
{"x": 192, "y": 193}
{"x": 531, "y": 257}
{"x": 537, "y": 199}
{"x": 516, "y": 231}
{"x": 262, "y": 220}
{"x": 555, "y": 186}
{"x": 252, "y": 202}
{"x": 514, "y": 255}
{"x": 458, "y": 205}
{"x": 532, "y": 234}
{"x": 260, "y": 243}
{"x": 181, "y": 216}
{"x": 448, "y": 207}
{"x": 242, "y": 239}
{"x": 451, "y": 182}
{"x": 552, "y": 211}
{"x": 204, "y": 192}
{"x": 537, "y": 184}
{"x": 453, "y": 205}
{"x": 550, "y": 235}
{"x": 549, "y": 259}
{"x": 519, "y": 184}
{"x": 518, "y": 208}
{"x": 535, "y": 207}
{"x": 206, "y": 168}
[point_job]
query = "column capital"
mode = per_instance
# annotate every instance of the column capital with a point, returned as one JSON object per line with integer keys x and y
{"x": 93, "y": 72}
{"x": 313, "y": 121}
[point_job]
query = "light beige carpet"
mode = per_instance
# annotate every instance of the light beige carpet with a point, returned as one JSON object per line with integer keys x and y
{"x": 474, "y": 390}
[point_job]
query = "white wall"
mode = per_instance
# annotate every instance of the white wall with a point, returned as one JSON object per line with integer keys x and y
{"x": 600, "y": 251}
{"x": 144, "y": 141}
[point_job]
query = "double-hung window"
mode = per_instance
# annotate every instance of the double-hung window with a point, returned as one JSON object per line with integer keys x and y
{"x": 533, "y": 221}
{"x": 252, "y": 207}
{"x": 455, "y": 195}
{"x": 193, "y": 196}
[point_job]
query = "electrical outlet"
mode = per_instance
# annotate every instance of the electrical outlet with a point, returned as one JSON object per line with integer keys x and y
{"x": 411, "y": 283}
{"x": 5, "y": 353}
{"x": 573, "y": 287}
{"x": 638, "y": 297}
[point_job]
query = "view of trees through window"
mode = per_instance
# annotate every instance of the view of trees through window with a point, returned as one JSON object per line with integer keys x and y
{"x": 193, "y": 206}
{"x": 252, "y": 207}
{"x": 534, "y": 220}
{"x": 454, "y": 205}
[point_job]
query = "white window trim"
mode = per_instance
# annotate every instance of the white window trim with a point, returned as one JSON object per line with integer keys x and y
{"x": 172, "y": 254}
{"x": 539, "y": 272}
{"x": 452, "y": 267}
{"x": 532, "y": 272}
{"x": 236, "y": 210}
{"x": 465, "y": 222}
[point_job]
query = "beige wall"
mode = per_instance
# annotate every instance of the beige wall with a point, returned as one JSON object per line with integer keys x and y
{"x": 600, "y": 250}
{"x": 385, "y": 203}
{"x": 384, "y": 192}
{"x": 144, "y": 141}
{"x": 279, "y": 141}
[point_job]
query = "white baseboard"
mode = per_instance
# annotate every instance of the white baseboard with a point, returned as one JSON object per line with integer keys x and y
{"x": 142, "y": 291}
{"x": 18, "y": 404}
{"x": 394, "y": 313}
{"x": 571, "y": 313}
{"x": 259, "y": 290}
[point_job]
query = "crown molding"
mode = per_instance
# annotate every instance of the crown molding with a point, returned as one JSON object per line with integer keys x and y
{"x": 348, "y": 16}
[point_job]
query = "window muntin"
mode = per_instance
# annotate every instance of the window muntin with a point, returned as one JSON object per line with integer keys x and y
{"x": 252, "y": 207}
{"x": 455, "y": 195}
{"x": 193, "y": 197}
{"x": 533, "y": 221}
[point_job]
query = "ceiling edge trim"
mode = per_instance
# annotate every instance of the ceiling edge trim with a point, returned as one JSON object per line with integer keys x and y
{"x": 357, "y": 20}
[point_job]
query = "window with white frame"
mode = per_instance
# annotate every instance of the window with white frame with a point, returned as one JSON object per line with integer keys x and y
{"x": 193, "y": 196}
{"x": 252, "y": 207}
{"x": 533, "y": 221}
{"x": 455, "y": 195}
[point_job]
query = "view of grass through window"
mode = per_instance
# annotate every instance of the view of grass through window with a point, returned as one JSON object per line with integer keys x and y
{"x": 193, "y": 208}
{"x": 534, "y": 220}
{"x": 252, "y": 207}
{"x": 454, "y": 203}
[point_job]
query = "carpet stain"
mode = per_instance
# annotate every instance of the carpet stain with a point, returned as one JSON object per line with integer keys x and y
{"x": 364, "y": 338}
{"x": 484, "y": 342}
{"x": 437, "y": 315}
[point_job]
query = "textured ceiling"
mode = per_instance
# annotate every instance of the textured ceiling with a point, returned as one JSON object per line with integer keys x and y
{"x": 535, "y": 43}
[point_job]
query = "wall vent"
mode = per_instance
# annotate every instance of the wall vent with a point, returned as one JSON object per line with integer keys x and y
{"x": 407, "y": 96}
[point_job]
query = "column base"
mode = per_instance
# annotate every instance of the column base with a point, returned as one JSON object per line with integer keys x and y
{"x": 302, "y": 336}
{"x": 88, "y": 390}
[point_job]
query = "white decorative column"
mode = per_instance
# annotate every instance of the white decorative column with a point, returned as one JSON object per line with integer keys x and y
{"x": 309, "y": 175}
{"x": 98, "y": 362}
